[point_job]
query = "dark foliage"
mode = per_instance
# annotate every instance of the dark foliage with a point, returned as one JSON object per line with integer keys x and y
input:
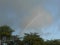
{"x": 28, "y": 39}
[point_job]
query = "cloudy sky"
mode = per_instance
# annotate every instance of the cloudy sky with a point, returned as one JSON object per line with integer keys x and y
{"x": 41, "y": 16}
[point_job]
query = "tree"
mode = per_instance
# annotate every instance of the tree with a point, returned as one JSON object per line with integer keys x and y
{"x": 32, "y": 39}
{"x": 17, "y": 40}
{"x": 7, "y": 37}
{"x": 52, "y": 42}
{"x": 5, "y": 30}
{"x": 5, "y": 34}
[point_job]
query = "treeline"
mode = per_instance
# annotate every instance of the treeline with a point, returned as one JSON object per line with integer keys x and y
{"x": 35, "y": 39}
{"x": 28, "y": 39}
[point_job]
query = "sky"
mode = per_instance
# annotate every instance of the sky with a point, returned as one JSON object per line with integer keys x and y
{"x": 24, "y": 16}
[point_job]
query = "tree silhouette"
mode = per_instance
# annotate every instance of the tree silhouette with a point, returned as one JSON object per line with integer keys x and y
{"x": 5, "y": 34}
{"x": 32, "y": 39}
{"x": 5, "y": 30}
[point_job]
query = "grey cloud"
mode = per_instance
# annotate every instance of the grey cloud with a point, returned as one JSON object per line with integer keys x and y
{"x": 19, "y": 13}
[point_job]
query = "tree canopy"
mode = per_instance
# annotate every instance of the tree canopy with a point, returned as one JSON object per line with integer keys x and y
{"x": 32, "y": 39}
{"x": 5, "y": 30}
